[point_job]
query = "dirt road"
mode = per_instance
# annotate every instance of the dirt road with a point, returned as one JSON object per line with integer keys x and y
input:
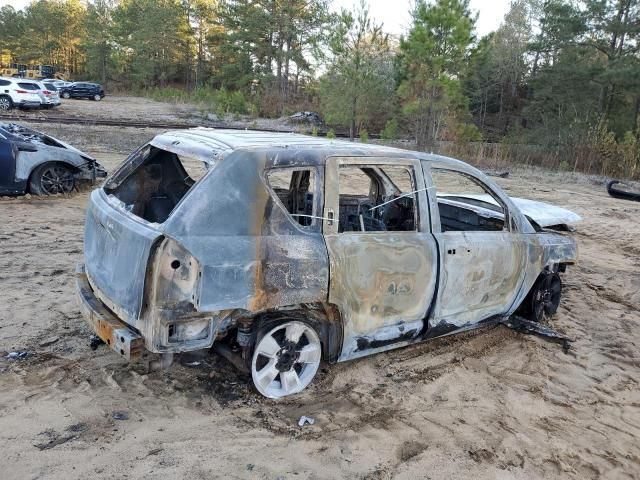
{"x": 493, "y": 404}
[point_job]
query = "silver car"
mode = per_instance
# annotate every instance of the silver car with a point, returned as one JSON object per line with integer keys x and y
{"x": 50, "y": 92}
{"x": 282, "y": 250}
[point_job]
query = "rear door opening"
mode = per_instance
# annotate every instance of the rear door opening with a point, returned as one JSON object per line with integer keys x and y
{"x": 153, "y": 181}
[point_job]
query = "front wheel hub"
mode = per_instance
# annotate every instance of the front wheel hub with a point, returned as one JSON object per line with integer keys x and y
{"x": 287, "y": 357}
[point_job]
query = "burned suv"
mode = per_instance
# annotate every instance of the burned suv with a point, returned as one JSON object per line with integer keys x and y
{"x": 282, "y": 250}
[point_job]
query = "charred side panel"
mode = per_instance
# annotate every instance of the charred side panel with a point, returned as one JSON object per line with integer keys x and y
{"x": 27, "y": 161}
{"x": 544, "y": 250}
{"x": 253, "y": 256}
{"x": 170, "y": 321}
{"x": 481, "y": 275}
{"x": 382, "y": 284}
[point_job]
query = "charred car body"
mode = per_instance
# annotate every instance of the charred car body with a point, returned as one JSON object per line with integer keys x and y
{"x": 36, "y": 163}
{"x": 292, "y": 249}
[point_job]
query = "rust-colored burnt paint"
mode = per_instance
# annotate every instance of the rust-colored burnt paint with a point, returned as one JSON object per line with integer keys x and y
{"x": 260, "y": 299}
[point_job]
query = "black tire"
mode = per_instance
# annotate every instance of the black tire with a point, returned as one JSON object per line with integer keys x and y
{"x": 5, "y": 102}
{"x": 51, "y": 178}
{"x": 544, "y": 298}
{"x": 66, "y": 95}
{"x": 97, "y": 98}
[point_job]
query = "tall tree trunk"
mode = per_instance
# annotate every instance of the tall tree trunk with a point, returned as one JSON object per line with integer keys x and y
{"x": 636, "y": 119}
{"x": 352, "y": 123}
{"x": 285, "y": 85}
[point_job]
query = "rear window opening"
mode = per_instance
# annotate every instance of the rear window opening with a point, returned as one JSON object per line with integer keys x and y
{"x": 153, "y": 181}
{"x": 28, "y": 86}
{"x": 295, "y": 188}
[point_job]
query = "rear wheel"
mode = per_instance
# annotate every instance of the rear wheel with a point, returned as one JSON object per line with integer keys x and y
{"x": 97, "y": 98}
{"x": 545, "y": 296}
{"x": 51, "y": 178}
{"x": 5, "y": 103}
{"x": 286, "y": 358}
{"x": 66, "y": 95}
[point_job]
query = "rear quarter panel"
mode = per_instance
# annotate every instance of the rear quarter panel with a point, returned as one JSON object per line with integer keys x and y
{"x": 253, "y": 256}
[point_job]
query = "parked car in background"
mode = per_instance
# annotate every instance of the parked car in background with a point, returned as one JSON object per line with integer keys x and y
{"x": 51, "y": 96}
{"x": 32, "y": 162}
{"x": 20, "y": 93}
{"x": 283, "y": 250}
{"x": 92, "y": 91}
{"x": 57, "y": 82}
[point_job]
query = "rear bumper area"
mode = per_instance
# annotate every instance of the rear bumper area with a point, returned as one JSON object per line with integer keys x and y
{"x": 29, "y": 104}
{"x": 114, "y": 332}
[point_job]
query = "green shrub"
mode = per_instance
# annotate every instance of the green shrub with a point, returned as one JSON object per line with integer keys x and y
{"x": 390, "y": 130}
{"x": 331, "y": 133}
{"x": 364, "y": 135}
{"x": 314, "y": 132}
{"x": 223, "y": 100}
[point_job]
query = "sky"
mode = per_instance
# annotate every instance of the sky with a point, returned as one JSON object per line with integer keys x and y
{"x": 394, "y": 14}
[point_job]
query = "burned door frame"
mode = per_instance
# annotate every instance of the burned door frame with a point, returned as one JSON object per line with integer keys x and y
{"x": 382, "y": 282}
{"x": 466, "y": 296}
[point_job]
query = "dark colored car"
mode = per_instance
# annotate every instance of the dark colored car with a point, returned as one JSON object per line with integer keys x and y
{"x": 92, "y": 91}
{"x": 33, "y": 162}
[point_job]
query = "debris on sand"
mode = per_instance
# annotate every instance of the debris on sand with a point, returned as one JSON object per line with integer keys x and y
{"x": 155, "y": 451}
{"x": 311, "y": 118}
{"x": 49, "y": 341}
{"x": 54, "y": 442}
{"x": 17, "y": 355}
{"x": 304, "y": 419}
{"x": 120, "y": 416}
{"x": 504, "y": 174}
{"x": 622, "y": 191}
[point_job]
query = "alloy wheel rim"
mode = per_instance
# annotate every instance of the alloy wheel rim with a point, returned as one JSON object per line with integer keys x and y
{"x": 286, "y": 359}
{"x": 56, "y": 179}
{"x": 4, "y": 104}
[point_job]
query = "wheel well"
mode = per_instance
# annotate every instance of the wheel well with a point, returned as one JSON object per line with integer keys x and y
{"x": 325, "y": 318}
{"x": 70, "y": 166}
{"x": 525, "y": 306}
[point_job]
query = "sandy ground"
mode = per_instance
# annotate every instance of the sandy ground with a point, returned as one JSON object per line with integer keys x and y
{"x": 140, "y": 109}
{"x": 492, "y": 404}
{"x": 125, "y": 108}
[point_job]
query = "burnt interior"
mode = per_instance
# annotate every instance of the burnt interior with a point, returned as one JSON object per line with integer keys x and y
{"x": 455, "y": 217}
{"x": 298, "y": 196}
{"x": 155, "y": 187}
{"x": 385, "y": 208}
{"x": 462, "y": 205}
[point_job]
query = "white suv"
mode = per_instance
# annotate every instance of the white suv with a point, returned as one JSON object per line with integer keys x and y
{"x": 19, "y": 92}
{"x": 51, "y": 95}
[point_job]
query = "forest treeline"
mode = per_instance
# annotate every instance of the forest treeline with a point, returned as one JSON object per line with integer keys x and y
{"x": 557, "y": 83}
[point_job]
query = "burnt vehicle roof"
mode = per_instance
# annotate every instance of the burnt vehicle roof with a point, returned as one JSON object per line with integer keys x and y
{"x": 283, "y": 149}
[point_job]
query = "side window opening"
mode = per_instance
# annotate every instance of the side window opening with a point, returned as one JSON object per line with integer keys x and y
{"x": 377, "y": 199}
{"x": 466, "y": 205}
{"x": 295, "y": 189}
{"x": 154, "y": 183}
